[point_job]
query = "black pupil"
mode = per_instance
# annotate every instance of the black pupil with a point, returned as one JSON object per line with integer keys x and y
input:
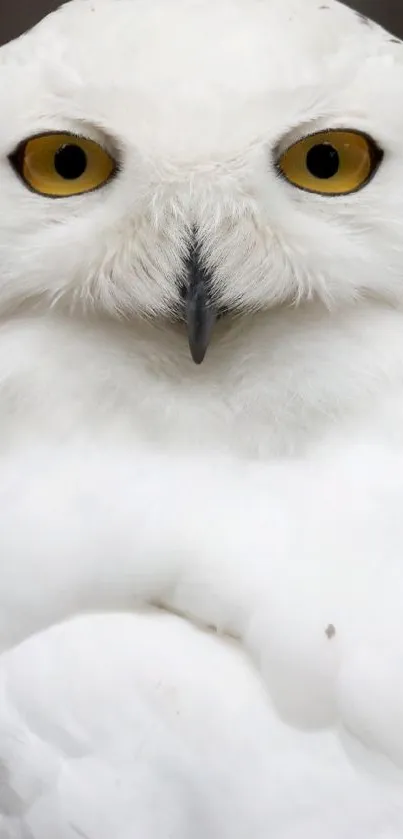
{"x": 70, "y": 162}
{"x": 323, "y": 161}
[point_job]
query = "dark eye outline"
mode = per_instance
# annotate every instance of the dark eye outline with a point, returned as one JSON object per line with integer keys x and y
{"x": 16, "y": 160}
{"x": 377, "y": 156}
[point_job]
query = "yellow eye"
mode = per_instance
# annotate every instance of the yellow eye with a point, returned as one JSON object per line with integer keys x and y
{"x": 331, "y": 162}
{"x": 61, "y": 165}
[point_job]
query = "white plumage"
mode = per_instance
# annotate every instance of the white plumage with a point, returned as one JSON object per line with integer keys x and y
{"x": 141, "y": 725}
{"x": 258, "y": 495}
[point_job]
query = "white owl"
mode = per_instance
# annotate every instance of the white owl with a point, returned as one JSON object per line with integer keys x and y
{"x": 219, "y": 182}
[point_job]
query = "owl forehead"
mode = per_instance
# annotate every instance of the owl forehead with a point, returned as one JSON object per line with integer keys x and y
{"x": 198, "y": 45}
{"x": 169, "y": 74}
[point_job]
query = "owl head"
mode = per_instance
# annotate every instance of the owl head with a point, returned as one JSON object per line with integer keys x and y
{"x": 191, "y": 159}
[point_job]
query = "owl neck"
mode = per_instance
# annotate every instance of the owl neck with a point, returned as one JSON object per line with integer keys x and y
{"x": 272, "y": 384}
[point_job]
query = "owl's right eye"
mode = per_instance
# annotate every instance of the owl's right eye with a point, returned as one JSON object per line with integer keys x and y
{"x": 332, "y": 162}
{"x": 61, "y": 165}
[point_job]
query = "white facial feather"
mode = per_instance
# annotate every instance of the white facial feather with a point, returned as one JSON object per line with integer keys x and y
{"x": 195, "y": 99}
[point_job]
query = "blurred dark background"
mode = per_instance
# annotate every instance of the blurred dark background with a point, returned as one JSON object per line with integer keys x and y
{"x": 19, "y": 15}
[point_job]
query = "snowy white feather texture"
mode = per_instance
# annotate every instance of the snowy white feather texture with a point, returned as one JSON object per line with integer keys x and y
{"x": 261, "y": 494}
{"x": 109, "y": 729}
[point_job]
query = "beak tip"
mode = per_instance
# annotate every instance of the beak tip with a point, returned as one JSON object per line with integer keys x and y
{"x": 198, "y": 355}
{"x": 200, "y": 321}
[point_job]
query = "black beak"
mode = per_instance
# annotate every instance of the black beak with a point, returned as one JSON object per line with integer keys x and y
{"x": 200, "y": 312}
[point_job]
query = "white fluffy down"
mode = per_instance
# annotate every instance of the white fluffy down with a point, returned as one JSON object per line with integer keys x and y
{"x": 260, "y": 495}
{"x": 142, "y": 726}
{"x": 306, "y": 571}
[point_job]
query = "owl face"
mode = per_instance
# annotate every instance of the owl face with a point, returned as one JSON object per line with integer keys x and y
{"x": 189, "y": 159}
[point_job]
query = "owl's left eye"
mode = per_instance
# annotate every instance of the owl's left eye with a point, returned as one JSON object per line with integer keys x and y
{"x": 61, "y": 165}
{"x": 331, "y": 162}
